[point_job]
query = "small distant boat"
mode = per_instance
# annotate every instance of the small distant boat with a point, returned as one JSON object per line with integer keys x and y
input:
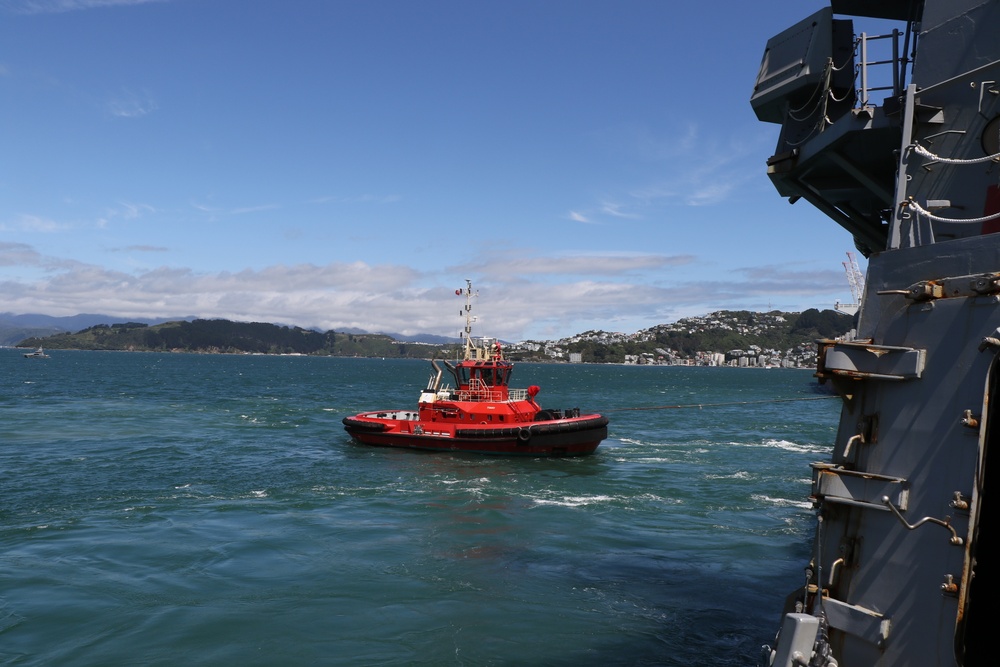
{"x": 481, "y": 414}
{"x": 37, "y": 354}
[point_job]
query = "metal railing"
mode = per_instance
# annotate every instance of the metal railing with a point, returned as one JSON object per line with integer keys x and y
{"x": 896, "y": 64}
{"x": 484, "y": 393}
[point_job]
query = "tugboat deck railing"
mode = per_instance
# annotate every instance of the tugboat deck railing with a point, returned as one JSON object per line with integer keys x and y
{"x": 492, "y": 395}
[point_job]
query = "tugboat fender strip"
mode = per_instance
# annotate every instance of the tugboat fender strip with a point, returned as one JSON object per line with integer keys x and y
{"x": 524, "y": 433}
{"x": 360, "y": 425}
{"x": 569, "y": 427}
{"x": 486, "y": 432}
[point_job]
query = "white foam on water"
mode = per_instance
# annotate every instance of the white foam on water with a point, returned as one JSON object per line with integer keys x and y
{"x": 574, "y": 501}
{"x": 647, "y": 459}
{"x": 786, "y": 445}
{"x": 739, "y": 474}
{"x": 781, "y": 502}
{"x": 653, "y": 498}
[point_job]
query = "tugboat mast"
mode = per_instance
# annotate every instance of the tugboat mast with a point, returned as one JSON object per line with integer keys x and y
{"x": 469, "y": 318}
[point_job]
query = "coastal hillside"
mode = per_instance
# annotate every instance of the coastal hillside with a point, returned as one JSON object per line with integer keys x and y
{"x": 726, "y": 337}
{"x": 723, "y": 337}
{"x": 225, "y": 336}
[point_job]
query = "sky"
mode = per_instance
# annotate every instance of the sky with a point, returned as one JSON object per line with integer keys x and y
{"x": 334, "y": 164}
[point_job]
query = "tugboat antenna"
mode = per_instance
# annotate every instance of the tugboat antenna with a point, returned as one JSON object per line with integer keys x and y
{"x": 469, "y": 319}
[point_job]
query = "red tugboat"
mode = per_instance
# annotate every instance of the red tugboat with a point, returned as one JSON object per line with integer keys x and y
{"x": 481, "y": 414}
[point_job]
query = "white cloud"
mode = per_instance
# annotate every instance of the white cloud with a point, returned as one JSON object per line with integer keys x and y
{"x": 358, "y": 199}
{"x": 61, "y": 6}
{"x": 645, "y": 144}
{"x": 18, "y": 254}
{"x": 253, "y": 209}
{"x": 33, "y": 223}
{"x": 141, "y": 248}
{"x": 708, "y": 193}
{"x": 132, "y": 104}
{"x": 615, "y": 211}
{"x": 683, "y": 169}
{"x": 522, "y": 295}
{"x": 510, "y": 263}
{"x": 215, "y": 212}
{"x": 129, "y": 211}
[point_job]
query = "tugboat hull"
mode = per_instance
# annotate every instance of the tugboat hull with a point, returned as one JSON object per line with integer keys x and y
{"x": 568, "y": 437}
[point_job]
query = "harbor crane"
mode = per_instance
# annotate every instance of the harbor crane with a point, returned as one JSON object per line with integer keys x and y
{"x": 856, "y": 280}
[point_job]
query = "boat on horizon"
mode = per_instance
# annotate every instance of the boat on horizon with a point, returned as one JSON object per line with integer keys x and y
{"x": 481, "y": 414}
{"x": 37, "y": 354}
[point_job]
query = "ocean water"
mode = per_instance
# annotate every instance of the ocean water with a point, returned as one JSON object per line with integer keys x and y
{"x": 165, "y": 509}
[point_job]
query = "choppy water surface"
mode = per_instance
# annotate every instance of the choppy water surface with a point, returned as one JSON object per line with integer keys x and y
{"x": 163, "y": 509}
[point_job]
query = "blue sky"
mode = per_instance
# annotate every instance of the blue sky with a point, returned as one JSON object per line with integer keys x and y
{"x": 587, "y": 164}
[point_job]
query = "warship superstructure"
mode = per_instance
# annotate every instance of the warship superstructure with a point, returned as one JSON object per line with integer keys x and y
{"x": 900, "y": 565}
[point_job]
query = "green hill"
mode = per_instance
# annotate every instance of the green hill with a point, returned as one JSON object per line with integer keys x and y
{"x": 231, "y": 337}
{"x": 733, "y": 333}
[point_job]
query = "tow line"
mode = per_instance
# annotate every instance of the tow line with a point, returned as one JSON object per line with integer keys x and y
{"x": 716, "y": 405}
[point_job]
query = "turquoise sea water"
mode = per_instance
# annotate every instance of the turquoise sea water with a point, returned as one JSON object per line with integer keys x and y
{"x": 165, "y": 509}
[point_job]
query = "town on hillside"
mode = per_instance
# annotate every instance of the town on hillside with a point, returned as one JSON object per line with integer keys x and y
{"x": 723, "y": 338}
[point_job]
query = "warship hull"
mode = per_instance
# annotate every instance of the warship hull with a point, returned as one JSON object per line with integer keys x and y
{"x": 899, "y": 569}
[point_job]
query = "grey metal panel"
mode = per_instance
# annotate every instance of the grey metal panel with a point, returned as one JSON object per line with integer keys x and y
{"x": 874, "y": 361}
{"x": 794, "y": 62}
{"x": 857, "y": 621}
{"x": 800, "y": 632}
{"x": 857, "y": 488}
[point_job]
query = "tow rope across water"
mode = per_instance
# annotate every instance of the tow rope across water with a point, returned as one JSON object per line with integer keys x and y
{"x": 715, "y": 405}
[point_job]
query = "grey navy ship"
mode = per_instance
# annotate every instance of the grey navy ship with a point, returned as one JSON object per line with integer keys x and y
{"x": 900, "y": 567}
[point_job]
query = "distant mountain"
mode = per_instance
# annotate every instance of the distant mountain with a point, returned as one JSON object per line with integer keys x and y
{"x": 75, "y": 322}
{"x": 429, "y": 339}
{"x": 230, "y": 337}
{"x": 15, "y": 328}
